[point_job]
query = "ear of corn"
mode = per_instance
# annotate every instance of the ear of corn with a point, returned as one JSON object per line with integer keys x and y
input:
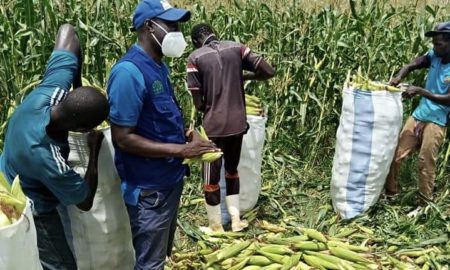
{"x": 253, "y": 105}
{"x": 12, "y": 201}
{"x": 347, "y": 254}
{"x": 273, "y": 266}
{"x": 240, "y": 265}
{"x": 326, "y": 257}
{"x": 287, "y": 241}
{"x": 274, "y": 257}
{"x": 252, "y": 267}
{"x": 345, "y": 232}
{"x": 16, "y": 192}
{"x": 334, "y": 243}
{"x": 322, "y": 262}
{"x": 302, "y": 266}
{"x": 362, "y": 83}
{"x": 277, "y": 249}
{"x": 310, "y": 245}
{"x": 206, "y": 157}
{"x": 292, "y": 262}
{"x": 227, "y": 252}
{"x": 314, "y": 234}
{"x": 271, "y": 227}
{"x": 414, "y": 252}
{"x": 315, "y": 262}
{"x": 259, "y": 260}
{"x": 250, "y": 250}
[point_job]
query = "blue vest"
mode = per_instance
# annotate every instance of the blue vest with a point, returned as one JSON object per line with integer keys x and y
{"x": 161, "y": 121}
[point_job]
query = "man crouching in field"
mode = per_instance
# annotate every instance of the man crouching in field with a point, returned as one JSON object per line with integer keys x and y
{"x": 36, "y": 147}
{"x": 426, "y": 128}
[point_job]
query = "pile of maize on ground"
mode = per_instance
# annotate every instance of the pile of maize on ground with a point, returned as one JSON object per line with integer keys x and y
{"x": 295, "y": 248}
{"x": 12, "y": 201}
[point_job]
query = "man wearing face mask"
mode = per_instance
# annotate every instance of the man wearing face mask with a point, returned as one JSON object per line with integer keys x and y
{"x": 148, "y": 131}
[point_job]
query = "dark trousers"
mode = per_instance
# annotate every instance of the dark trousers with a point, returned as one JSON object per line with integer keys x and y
{"x": 231, "y": 148}
{"x": 54, "y": 252}
{"x": 153, "y": 222}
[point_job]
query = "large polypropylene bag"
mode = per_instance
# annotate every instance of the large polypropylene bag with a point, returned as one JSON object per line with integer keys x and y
{"x": 366, "y": 140}
{"x": 100, "y": 238}
{"x": 249, "y": 167}
{"x": 18, "y": 244}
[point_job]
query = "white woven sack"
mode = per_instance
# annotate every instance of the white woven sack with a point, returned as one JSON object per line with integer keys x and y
{"x": 100, "y": 238}
{"x": 366, "y": 140}
{"x": 18, "y": 244}
{"x": 249, "y": 167}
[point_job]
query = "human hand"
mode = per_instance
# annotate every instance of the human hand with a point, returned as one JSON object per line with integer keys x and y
{"x": 94, "y": 139}
{"x": 395, "y": 81}
{"x": 197, "y": 146}
{"x": 412, "y": 91}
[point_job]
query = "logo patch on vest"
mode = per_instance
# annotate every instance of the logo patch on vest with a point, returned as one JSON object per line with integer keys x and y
{"x": 447, "y": 79}
{"x": 157, "y": 87}
{"x": 166, "y": 5}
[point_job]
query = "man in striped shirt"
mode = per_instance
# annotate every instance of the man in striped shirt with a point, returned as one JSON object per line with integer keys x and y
{"x": 215, "y": 79}
{"x": 36, "y": 147}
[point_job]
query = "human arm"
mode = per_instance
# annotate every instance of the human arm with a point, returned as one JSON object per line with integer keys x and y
{"x": 418, "y": 63}
{"x": 127, "y": 140}
{"x": 412, "y": 91}
{"x": 256, "y": 66}
{"x": 194, "y": 83}
{"x": 264, "y": 71}
{"x": 68, "y": 40}
{"x": 91, "y": 177}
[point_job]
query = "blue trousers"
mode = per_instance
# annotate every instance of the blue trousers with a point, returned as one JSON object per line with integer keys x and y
{"x": 153, "y": 222}
{"x": 54, "y": 252}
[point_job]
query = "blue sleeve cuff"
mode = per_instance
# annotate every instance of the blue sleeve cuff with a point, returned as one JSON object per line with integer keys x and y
{"x": 66, "y": 53}
{"x": 76, "y": 196}
{"x": 116, "y": 120}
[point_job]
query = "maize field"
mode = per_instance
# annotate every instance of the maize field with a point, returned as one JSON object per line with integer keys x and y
{"x": 312, "y": 45}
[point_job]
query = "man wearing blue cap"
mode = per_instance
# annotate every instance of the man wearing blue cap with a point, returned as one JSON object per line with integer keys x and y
{"x": 148, "y": 131}
{"x": 426, "y": 128}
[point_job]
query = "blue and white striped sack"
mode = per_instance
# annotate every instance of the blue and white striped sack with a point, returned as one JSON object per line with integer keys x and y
{"x": 366, "y": 140}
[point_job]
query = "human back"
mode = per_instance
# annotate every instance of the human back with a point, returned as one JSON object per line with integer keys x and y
{"x": 221, "y": 65}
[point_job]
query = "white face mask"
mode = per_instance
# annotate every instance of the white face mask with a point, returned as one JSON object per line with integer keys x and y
{"x": 173, "y": 44}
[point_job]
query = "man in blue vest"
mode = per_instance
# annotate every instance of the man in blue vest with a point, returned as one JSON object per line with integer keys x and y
{"x": 425, "y": 130}
{"x": 148, "y": 131}
{"x": 36, "y": 147}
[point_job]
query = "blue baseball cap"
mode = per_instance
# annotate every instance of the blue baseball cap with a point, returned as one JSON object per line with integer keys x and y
{"x": 161, "y": 9}
{"x": 442, "y": 28}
